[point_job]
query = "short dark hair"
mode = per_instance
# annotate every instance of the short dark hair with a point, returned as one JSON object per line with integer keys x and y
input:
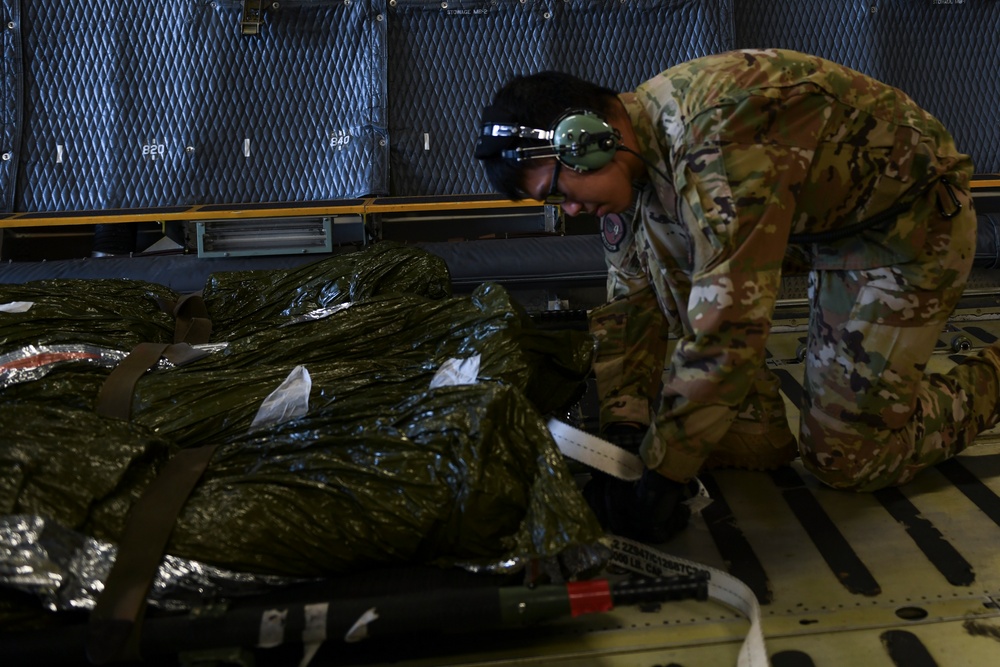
{"x": 537, "y": 101}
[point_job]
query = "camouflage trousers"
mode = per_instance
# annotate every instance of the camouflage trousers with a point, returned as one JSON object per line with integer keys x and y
{"x": 873, "y": 417}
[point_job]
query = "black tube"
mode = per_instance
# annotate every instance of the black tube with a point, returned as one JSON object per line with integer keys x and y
{"x": 361, "y": 619}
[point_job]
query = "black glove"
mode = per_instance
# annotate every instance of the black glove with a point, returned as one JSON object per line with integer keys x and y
{"x": 626, "y": 435}
{"x": 651, "y": 510}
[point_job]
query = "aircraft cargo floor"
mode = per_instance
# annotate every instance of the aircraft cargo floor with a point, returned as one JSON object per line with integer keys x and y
{"x": 905, "y": 576}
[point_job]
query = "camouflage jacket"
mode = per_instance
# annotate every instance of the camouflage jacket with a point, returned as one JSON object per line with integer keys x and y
{"x": 747, "y": 148}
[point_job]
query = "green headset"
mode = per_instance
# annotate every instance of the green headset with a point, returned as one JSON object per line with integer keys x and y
{"x": 580, "y": 139}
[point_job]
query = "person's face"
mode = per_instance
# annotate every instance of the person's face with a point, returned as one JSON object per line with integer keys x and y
{"x": 606, "y": 190}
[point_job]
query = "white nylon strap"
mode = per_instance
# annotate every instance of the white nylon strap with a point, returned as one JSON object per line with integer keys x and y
{"x": 647, "y": 561}
{"x": 722, "y": 587}
{"x": 595, "y": 452}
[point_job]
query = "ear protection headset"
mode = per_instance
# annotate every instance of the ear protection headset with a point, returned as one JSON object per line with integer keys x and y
{"x": 580, "y": 139}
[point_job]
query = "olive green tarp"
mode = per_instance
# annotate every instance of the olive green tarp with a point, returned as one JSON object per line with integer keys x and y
{"x": 381, "y": 470}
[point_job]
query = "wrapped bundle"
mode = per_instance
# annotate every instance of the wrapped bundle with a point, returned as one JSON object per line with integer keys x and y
{"x": 380, "y": 462}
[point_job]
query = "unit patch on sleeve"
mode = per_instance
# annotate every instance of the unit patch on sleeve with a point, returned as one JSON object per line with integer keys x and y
{"x": 612, "y": 231}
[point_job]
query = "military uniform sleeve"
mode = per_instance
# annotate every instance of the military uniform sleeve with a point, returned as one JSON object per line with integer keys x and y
{"x": 629, "y": 330}
{"x": 737, "y": 198}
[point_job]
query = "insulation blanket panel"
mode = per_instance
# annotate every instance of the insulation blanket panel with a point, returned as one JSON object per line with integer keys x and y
{"x": 942, "y": 53}
{"x": 145, "y": 104}
{"x": 445, "y": 60}
{"x": 130, "y": 104}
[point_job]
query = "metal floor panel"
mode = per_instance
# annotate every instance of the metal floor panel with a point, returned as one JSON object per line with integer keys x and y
{"x": 813, "y": 616}
{"x": 907, "y": 576}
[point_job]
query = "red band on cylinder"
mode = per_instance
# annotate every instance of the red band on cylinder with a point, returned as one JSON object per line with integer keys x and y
{"x": 587, "y": 597}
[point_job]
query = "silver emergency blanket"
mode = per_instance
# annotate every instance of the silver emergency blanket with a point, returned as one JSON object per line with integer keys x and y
{"x": 65, "y": 570}
{"x": 33, "y": 362}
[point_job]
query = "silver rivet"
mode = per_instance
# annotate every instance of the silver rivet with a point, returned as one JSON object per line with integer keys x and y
{"x": 444, "y": 5}
{"x": 547, "y": 15}
{"x": 381, "y": 142}
{"x": 378, "y": 17}
{"x": 189, "y": 149}
{"x": 11, "y": 25}
{"x": 6, "y": 157}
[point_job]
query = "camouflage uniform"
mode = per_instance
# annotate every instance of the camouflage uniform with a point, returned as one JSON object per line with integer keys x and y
{"x": 761, "y": 145}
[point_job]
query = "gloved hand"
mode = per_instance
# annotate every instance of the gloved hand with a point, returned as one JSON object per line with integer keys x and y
{"x": 627, "y": 435}
{"x": 650, "y": 510}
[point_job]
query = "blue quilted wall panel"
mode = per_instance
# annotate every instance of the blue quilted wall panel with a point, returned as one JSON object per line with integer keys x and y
{"x": 443, "y": 57}
{"x": 834, "y": 29}
{"x": 447, "y": 58}
{"x": 621, "y": 44}
{"x": 124, "y": 103}
{"x": 136, "y": 104}
{"x": 946, "y": 55}
{"x": 943, "y": 53}
{"x": 10, "y": 100}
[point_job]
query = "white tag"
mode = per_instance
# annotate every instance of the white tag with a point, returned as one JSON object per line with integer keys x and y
{"x": 272, "y": 628}
{"x": 288, "y": 401}
{"x": 359, "y": 630}
{"x": 457, "y": 371}
{"x": 314, "y": 632}
{"x": 16, "y": 306}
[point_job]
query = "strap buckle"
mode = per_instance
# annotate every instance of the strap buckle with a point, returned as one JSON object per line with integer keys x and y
{"x": 252, "y": 16}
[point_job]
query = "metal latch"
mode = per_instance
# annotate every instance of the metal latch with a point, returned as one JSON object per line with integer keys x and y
{"x": 252, "y": 17}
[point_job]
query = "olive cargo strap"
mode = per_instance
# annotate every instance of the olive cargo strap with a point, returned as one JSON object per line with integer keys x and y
{"x": 193, "y": 324}
{"x": 192, "y": 327}
{"x": 115, "y": 397}
{"x": 114, "y": 633}
{"x": 115, "y": 622}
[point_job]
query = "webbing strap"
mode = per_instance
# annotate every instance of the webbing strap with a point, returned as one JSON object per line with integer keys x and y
{"x": 722, "y": 587}
{"x": 193, "y": 323}
{"x": 595, "y": 452}
{"x": 115, "y": 397}
{"x": 646, "y": 560}
{"x": 115, "y": 622}
{"x": 113, "y": 633}
{"x": 192, "y": 327}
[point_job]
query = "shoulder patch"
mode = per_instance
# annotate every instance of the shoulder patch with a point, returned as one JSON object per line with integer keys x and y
{"x": 612, "y": 231}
